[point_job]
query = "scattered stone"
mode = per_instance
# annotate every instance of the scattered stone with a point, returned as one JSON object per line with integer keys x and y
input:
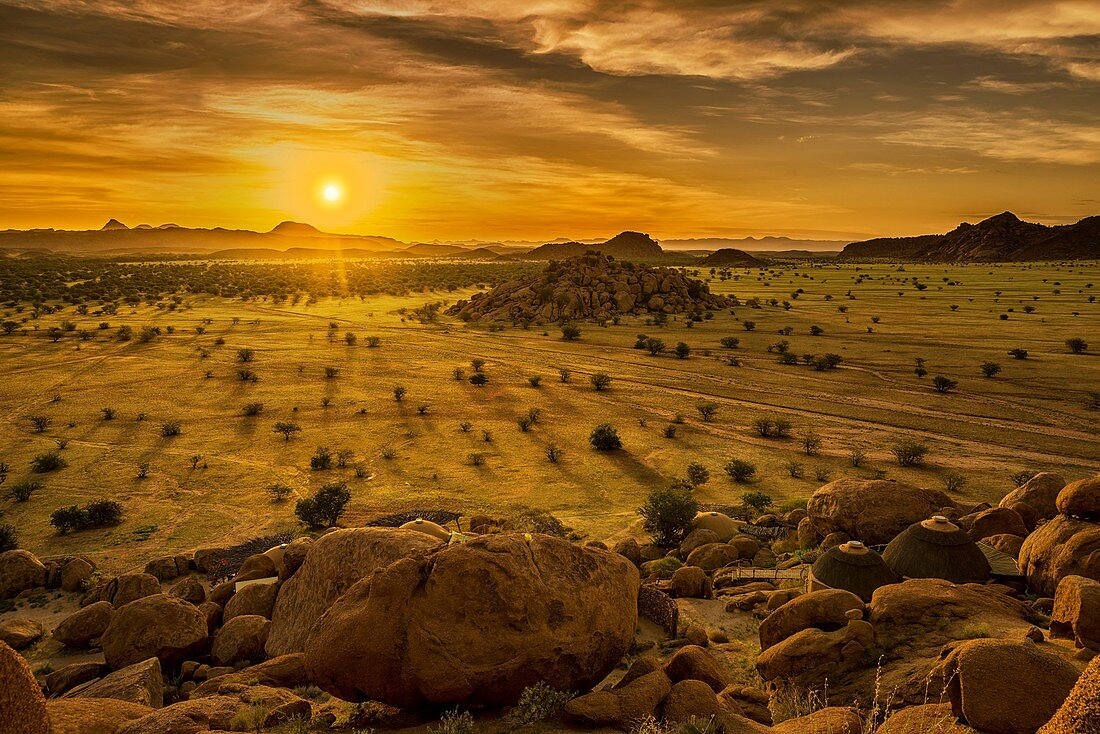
{"x": 1035, "y": 500}
{"x": 133, "y": 586}
{"x": 690, "y": 582}
{"x": 825, "y": 609}
{"x": 1081, "y": 499}
{"x": 1062, "y": 547}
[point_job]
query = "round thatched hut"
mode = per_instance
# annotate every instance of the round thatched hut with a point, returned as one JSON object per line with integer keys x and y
{"x": 722, "y": 524}
{"x": 937, "y": 549}
{"x": 851, "y": 566}
{"x": 428, "y": 528}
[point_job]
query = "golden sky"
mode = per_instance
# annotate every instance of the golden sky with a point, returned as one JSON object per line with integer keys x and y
{"x": 501, "y": 119}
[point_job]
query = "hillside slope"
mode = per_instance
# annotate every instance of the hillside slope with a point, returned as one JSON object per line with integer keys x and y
{"x": 625, "y": 245}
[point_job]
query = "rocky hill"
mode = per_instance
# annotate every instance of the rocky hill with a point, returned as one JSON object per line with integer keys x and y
{"x": 625, "y": 245}
{"x": 1002, "y": 238}
{"x": 731, "y": 258}
{"x": 592, "y": 286}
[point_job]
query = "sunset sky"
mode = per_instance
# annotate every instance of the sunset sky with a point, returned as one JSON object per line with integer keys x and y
{"x": 501, "y": 119}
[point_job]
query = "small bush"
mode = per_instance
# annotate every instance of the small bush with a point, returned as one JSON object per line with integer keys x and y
{"x": 455, "y": 722}
{"x": 697, "y": 474}
{"x": 279, "y": 492}
{"x": 740, "y": 470}
{"x": 477, "y": 458}
{"x": 534, "y": 380}
{"x": 47, "y": 462}
{"x": 668, "y": 513}
{"x": 758, "y": 501}
{"x": 103, "y": 513}
{"x": 553, "y": 453}
{"x": 953, "y": 482}
{"x": 537, "y": 703}
{"x": 286, "y": 428}
{"x": 22, "y": 491}
{"x": 9, "y": 538}
{"x": 601, "y": 381}
{"x": 1077, "y": 345}
{"x": 570, "y": 332}
{"x": 909, "y": 452}
{"x": 990, "y": 369}
{"x": 321, "y": 459}
{"x": 707, "y": 411}
{"x": 168, "y": 429}
{"x": 605, "y": 438}
{"x": 399, "y": 392}
{"x": 943, "y": 384}
{"x": 69, "y": 519}
{"x": 323, "y": 509}
{"x": 251, "y": 409}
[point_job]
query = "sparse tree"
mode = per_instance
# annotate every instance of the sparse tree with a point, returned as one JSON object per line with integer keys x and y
{"x": 668, "y": 513}
{"x": 683, "y": 351}
{"x": 811, "y": 443}
{"x": 570, "y": 332}
{"x": 605, "y": 438}
{"x": 564, "y": 375}
{"x": 707, "y": 411}
{"x": 943, "y": 384}
{"x": 909, "y": 452}
{"x": 601, "y": 381}
{"x": 286, "y": 428}
{"x": 279, "y": 492}
{"x": 321, "y": 459}
{"x": 697, "y": 474}
{"x": 740, "y": 470}
{"x": 990, "y": 369}
{"x": 758, "y": 501}
{"x": 324, "y": 509}
{"x": 1076, "y": 345}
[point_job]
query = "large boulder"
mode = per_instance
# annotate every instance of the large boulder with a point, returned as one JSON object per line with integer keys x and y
{"x": 255, "y": 598}
{"x": 159, "y": 626}
{"x": 1035, "y": 499}
{"x": 19, "y": 633}
{"x": 826, "y": 610}
{"x": 622, "y": 705}
{"x": 1080, "y": 713}
{"x": 713, "y": 556}
{"x": 20, "y": 693}
{"x": 1006, "y": 686}
{"x": 994, "y": 521}
{"x": 477, "y": 622}
{"x": 1076, "y": 612}
{"x": 72, "y": 675}
{"x": 692, "y": 662}
{"x": 1062, "y": 547}
{"x": 75, "y": 573}
{"x": 872, "y": 510}
{"x": 689, "y": 582}
{"x": 20, "y": 570}
{"x": 1081, "y": 499}
{"x": 333, "y": 564}
{"x": 133, "y": 586}
{"x": 92, "y": 715}
{"x": 84, "y": 625}
{"x": 242, "y": 638}
{"x": 696, "y": 538}
{"x": 139, "y": 683}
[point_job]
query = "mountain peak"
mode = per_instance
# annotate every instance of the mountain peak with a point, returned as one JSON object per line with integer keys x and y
{"x": 1007, "y": 217}
{"x": 301, "y": 228}
{"x": 112, "y": 224}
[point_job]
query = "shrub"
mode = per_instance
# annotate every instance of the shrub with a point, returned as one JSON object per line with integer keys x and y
{"x": 524, "y": 422}
{"x": 564, "y": 374}
{"x": 668, "y": 513}
{"x": 740, "y": 470}
{"x": 455, "y": 722}
{"x": 477, "y": 458}
{"x": 69, "y": 519}
{"x": 41, "y": 423}
{"x": 811, "y": 443}
{"x": 683, "y": 351}
{"x": 953, "y": 482}
{"x": 331, "y": 373}
{"x": 108, "y": 414}
{"x": 748, "y": 325}
{"x": 943, "y": 384}
{"x": 654, "y": 346}
{"x": 909, "y": 452}
{"x": 323, "y": 509}
{"x": 1077, "y": 345}
{"x": 758, "y": 501}
{"x": 1018, "y": 353}
{"x": 1021, "y": 478}
{"x": 399, "y": 392}
{"x": 697, "y": 474}
{"x": 47, "y": 462}
{"x": 601, "y": 381}
{"x": 9, "y": 538}
{"x": 22, "y": 491}
{"x": 286, "y": 428}
{"x": 670, "y": 430}
{"x": 990, "y": 369}
{"x": 321, "y": 459}
{"x": 534, "y": 380}
{"x": 246, "y": 355}
{"x": 857, "y": 457}
{"x": 794, "y": 468}
{"x": 537, "y": 703}
{"x": 605, "y": 438}
{"x": 707, "y": 411}
{"x": 103, "y": 513}
{"x": 253, "y": 409}
{"x": 730, "y": 342}
{"x": 479, "y": 379}
{"x": 279, "y": 492}
{"x": 569, "y": 332}
{"x": 553, "y": 453}
{"x": 168, "y": 429}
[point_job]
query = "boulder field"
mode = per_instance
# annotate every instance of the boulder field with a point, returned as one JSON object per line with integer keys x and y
{"x": 398, "y": 625}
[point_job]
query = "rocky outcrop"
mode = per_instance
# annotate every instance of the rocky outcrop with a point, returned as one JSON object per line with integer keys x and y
{"x": 1035, "y": 499}
{"x": 590, "y": 287}
{"x": 159, "y": 626}
{"x": 19, "y": 693}
{"x": 258, "y": 598}
{"x": 286, "y": 671}
{"x": 1081, "y": 499}
{"x": 872, "y": 510}
{"x": 241, "y": 639}
{"x": 335, "y": 562}
{"x": 826, "y": 610}
{"x": 477, "y": 622}
{"x": 1080, "y": 712}
{"x": 19, "y": 633}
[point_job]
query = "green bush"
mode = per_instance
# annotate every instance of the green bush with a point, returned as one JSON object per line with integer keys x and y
{"x": 69, "y": 519}
{"x": 740, "y": 470}
{"x": 324, "y": 508}
{"x": 9, "y": 539}
{"x": 605, "y": 438}
{"x": 668, "y": 513}
{"x": 22, "y": 491}
{"x": 47, "y": 462}
{"x": 537, "y": 703}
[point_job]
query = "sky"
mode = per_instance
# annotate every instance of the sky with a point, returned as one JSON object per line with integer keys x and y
{"x": 501, "y": 119}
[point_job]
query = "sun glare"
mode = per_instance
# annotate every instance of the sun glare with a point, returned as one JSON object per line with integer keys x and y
{"x": 332, "y": 193}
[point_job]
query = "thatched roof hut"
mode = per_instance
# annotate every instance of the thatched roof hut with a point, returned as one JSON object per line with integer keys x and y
{"x": 851, "y": 566}
{"x": 937, "y": 549}
{"x": 428, "y": 528}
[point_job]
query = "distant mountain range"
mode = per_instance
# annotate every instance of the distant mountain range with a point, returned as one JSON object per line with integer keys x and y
{"x": 1002, "y": 238}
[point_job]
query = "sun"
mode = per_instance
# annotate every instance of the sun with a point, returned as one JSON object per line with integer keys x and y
{"x": 332, "y": 193}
